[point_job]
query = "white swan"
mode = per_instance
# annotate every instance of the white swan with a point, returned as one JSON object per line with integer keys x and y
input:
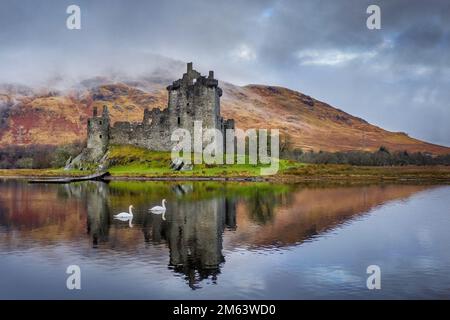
{"x": 159, "y": 209}
{"x": 125, "y": 215}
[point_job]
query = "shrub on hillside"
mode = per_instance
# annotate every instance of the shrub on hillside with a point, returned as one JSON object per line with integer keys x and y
{"x": 381, "y": 157}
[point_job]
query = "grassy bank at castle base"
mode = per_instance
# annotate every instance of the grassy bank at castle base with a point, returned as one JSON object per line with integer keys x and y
{"x": 128, "y": 162}
{"x": 132, "y": 161}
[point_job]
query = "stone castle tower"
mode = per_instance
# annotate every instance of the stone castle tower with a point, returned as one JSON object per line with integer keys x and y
{"x": 192, "y": 98}
{"x": 98, "y": 133}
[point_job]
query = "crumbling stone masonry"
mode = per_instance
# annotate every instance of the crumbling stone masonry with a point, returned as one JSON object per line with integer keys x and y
{"x": 192, "y": 98}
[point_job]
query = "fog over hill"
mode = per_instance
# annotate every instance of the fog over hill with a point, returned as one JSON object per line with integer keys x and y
{"x": 55, "y": 112}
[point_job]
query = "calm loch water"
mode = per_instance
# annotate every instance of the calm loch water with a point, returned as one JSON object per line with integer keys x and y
{"x": 224, "y": 241}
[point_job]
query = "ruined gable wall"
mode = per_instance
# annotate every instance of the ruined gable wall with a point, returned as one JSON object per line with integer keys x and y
{"x": 153, "y": 133}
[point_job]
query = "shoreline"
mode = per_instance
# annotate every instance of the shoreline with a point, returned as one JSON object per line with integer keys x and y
{"x": 308, "y": 174}
{"x": 140, "y": 178}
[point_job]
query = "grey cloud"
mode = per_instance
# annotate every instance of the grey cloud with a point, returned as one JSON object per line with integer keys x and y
{"x": 380, "y": 75}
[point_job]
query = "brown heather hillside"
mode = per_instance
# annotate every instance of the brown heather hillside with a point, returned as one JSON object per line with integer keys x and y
{"x": 30, "y": 117}
{"x": 312, "y": 124}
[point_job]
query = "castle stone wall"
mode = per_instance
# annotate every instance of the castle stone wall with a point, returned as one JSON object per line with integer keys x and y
{"x": 192, "y": 98}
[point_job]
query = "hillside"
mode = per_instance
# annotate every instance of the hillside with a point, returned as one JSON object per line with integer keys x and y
{"x": 35, "y": 116}
{"x": 312, "y": 124}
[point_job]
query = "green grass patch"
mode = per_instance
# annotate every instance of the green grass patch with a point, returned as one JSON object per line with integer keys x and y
{"x": 135, "y": 161}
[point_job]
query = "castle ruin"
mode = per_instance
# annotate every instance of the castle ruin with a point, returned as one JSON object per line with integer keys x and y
{"x": 192, "y": 98}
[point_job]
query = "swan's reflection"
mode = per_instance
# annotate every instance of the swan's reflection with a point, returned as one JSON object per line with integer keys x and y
{"x": 124, "y": 219}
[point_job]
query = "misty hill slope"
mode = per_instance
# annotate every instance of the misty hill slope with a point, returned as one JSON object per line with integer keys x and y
{"x": 312, "y": 124}
{"x": 30, "y": 116}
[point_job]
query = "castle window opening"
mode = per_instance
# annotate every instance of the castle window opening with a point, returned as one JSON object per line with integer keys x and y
{"x": 100, "y": 123}
{"x": 179, "y": 120}
{"x": 101, "y": 136}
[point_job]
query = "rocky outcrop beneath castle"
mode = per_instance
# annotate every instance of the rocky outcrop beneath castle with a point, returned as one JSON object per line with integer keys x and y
{"x": 178, "y": 164}
{"x": 89, "y": 159}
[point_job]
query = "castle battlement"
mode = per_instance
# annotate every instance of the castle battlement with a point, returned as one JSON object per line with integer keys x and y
{"x": 194, "y": 78}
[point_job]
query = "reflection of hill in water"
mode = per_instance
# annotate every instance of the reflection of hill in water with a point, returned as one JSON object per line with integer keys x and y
{"x": 201, "y": 219}
{"x": 309, "y": 212}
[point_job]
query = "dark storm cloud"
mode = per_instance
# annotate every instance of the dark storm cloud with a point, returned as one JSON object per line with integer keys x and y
{"x": 396, "y": 77}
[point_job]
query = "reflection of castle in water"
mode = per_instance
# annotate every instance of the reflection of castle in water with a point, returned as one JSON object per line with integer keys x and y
{"x": 194, "y": 235}
{"x": 193, "y": 230}
{"x": 95, "y": 195}
{"x": 98, "y": 218}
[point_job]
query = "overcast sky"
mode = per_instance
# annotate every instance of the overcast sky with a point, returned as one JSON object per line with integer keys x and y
{"x": 397, "y": 77}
